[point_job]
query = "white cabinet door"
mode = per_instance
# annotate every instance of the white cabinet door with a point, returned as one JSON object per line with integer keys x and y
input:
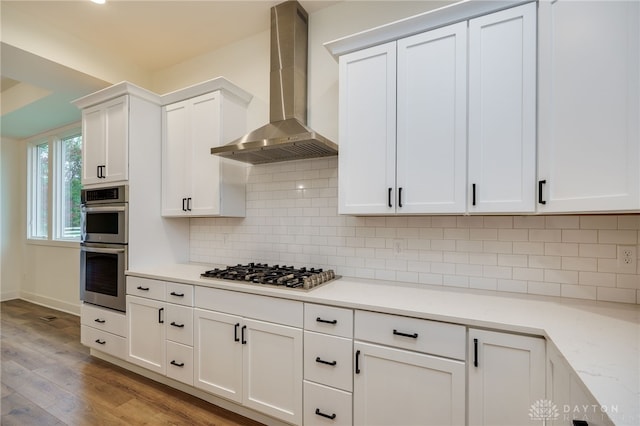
{"x": 205, "y": 128}
{"x": 432, "y": 121}
{"x": 502, "y": 111}
{"x": 367, "y": 131}
{"x": 105, "y": 151}
{"x": 506, "y": 377}
{"x": 273, "y": 370}
{"x": 194, "y": 182}
{"x": 589, "y": 98}
{"x": 146, "y": 343}
{"x": 394, "y": 386}
{"x": 175, "y": 158}
{"x": 218, "y": 354}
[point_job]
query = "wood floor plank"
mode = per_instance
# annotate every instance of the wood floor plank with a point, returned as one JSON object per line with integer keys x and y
{"x": 49, "y": 378}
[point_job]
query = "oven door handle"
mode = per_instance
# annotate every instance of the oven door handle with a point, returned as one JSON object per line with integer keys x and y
{"x": 101, "y": 250}
{"x": 98, "y": 209}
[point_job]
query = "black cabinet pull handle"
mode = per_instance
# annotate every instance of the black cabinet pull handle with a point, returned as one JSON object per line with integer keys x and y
{"x": 173, "y": 323}
{"x": 400, "y": 197}
{"x": 540, "y": 199}
{"x": 160, "y": 319}
{"x": 321, "y": 361}
{"x": 184, "y": 201}
{"x": 173, "y": 293}
{"x": 475, "y": 352}
{"x": 100, "y": 321}
{"x": 398, "y": 333}
{"x": 235, "y": 332}
{"x": 357, "y": 362}
{"x": 389, "y": 198}
{"x": 320, "y": 413}
{"x": 244, "y": 341}
{"x": 100, "y": 342}
{"x": 326, "y": 321}
{"x": 98, "y": 172}
{"x": 143, "y": 288}
{"x": 177, "y": 364}
{"x": 189, "y": 204}
{"x": 473, "y": 194}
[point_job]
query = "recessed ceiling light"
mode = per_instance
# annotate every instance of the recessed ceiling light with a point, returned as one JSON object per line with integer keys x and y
{"x": 99, "y": 1}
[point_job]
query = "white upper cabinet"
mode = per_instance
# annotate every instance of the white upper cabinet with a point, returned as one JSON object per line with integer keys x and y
{"x": 404, "y": 122}
{"x": 502, "y": 111}
{"x": 589, "y": 95}
{"x": 194, "y": 182}
{"x": 366, "y": 163}
{"x": 431, "y": 122}
{"x": 105, "y": 142}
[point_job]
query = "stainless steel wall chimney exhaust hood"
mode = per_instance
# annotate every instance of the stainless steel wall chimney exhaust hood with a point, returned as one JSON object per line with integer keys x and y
{"x": 286, "y": 137}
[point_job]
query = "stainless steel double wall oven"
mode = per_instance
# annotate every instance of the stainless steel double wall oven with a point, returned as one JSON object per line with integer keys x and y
{"x": 103, "y": 249}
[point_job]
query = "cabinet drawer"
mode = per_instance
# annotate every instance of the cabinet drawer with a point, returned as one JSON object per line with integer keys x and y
{"x": 180, "y": 362}
{"x": 270, "y": 309}
{"x": 179, "y": 322}
{"x": 328, "y": 319}
{"x": 181, "y": 294}
{"x": 151, "y": 289}
{"x": 328, "y": 360}
{"x": 103, "y": 319}
{"x": 326, "y": 406}
{"x": 437, "y": 338}
{"x": 103, "y": 341}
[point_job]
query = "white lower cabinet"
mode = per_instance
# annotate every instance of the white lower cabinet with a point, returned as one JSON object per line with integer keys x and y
{"x": 324, "y": 405}
{"x": 394, "y": 386}
{"x": 103, "y": 329}
{"x": 506, "y": 377}
{"x": 568, "y": 398}
{"x": 161, "y": 332}
{"x": 255, "y": 363}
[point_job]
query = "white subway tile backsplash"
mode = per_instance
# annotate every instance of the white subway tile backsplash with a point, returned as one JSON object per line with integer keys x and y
{"x": 292, "y": 219}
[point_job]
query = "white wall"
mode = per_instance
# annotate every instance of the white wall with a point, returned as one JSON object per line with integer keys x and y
{"x": 11, "y": 218}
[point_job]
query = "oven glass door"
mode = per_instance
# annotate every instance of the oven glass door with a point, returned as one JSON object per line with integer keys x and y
{"x": 105, "y": 224}
{"x": 102, "y": 279}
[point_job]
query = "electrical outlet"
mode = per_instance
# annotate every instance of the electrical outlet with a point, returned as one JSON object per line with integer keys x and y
{"x": 627, "y": 258}
{"x": 399, "y": 246}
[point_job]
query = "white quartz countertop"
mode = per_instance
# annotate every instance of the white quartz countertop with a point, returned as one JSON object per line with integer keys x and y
{"x": 600, "y": 340}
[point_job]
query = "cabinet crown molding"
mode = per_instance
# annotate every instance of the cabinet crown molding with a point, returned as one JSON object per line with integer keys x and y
{"x": 114, "y": 91}
{"x": 432, "y": 19}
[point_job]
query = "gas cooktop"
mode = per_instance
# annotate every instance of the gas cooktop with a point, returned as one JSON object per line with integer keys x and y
{"x": 273, "y": 275}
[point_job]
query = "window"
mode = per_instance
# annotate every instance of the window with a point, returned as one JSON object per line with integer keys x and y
{"x": 55, "y": 164}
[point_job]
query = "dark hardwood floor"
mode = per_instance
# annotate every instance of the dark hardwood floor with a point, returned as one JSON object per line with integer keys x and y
{"x": 49, "y": 378}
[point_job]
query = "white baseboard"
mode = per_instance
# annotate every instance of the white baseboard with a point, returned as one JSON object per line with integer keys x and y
{"x": 9, "y": 295}
{"x": 52, "y": 303}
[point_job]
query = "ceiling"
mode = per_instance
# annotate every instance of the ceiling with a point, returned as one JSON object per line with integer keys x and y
{"x": 178, "y": 31}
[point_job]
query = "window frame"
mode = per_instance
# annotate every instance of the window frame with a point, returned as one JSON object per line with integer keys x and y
{"x": 55, "y": 220}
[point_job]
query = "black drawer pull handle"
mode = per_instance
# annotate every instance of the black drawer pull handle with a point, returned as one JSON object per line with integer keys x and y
{"x": 160, "y": 316}
{"x": 100, "y": 342}
{"x": 100, "y": 321}
{"x": 475, "y": 352}
{"x": 320, "y": 413}
{"x": 397, "y": 333}
{"x": 321, "y": 361}
{"x": 357, "y": 362}
{"x": 177, "y": 325}
{"x": 143, "y": 288}
{"x": 326, "y": 321}
{"x": 473, "y": 194}
{"x": 540, "y": 199}
{"x": 173, "y": 293}
{"x": 235, "y": 332}
{"x": 177, "y": 364}
{"x": 244, "y": 341}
